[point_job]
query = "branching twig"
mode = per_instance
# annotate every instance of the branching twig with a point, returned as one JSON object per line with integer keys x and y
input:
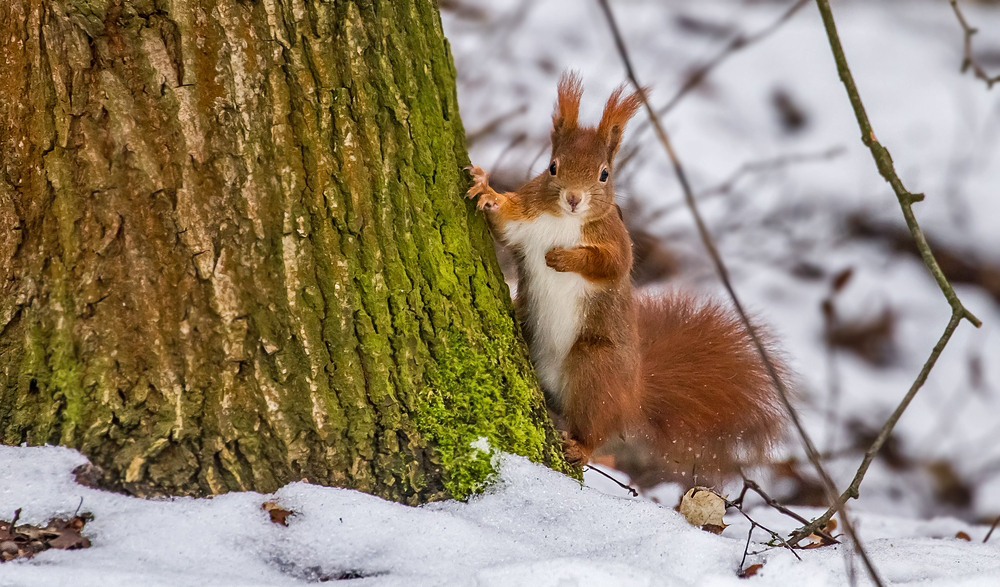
{"x": 775, "y": 537}
{"x": 625, "y": 486}
{"x": 906, "y": 200}
{"x": 706, "y": 238}
{"x": 968, "y": 61}
{"x": 750, "y": 485}
{"x": 853, "y": 490}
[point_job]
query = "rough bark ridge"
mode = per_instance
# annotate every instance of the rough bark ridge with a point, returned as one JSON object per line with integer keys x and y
{"x": 234, "y": 254}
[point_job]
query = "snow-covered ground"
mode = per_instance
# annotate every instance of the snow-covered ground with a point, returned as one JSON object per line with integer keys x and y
{"x": 783, "y": 232}
{"x": 534, "y": 528}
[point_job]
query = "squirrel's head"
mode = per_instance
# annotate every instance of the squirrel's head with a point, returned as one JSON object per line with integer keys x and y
{"x": 579, "y": 174}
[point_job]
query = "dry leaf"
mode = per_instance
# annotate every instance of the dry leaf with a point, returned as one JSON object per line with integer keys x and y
{"x": 963, "y": 536}
{"x": 703, "y": 507}
{"x": 26, "y": 540}
{"x": 751, "y": 571}
{"x": 69, "y": 540}
{"x": 279, "y": 515}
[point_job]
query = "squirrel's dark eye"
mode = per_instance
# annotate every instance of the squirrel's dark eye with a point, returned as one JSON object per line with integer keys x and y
{"x": 604, "y": 175}
{"x": 552, "y": 168}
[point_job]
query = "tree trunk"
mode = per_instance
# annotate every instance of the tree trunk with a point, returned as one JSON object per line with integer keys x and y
{"x": 234, "y": 250}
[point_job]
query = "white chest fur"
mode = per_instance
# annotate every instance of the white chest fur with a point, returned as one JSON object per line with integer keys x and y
{"x": 554, "y": 300}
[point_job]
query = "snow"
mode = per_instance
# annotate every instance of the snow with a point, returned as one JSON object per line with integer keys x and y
{"x": 533, "y": 527}
{"x": 536, "y": 527}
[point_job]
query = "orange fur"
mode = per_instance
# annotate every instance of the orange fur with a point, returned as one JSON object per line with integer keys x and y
{"x": 617, "y": 112}
{"x": 679, "y": 375}
{"x": 567, "y": 110}
{"x": 709, "y": 404}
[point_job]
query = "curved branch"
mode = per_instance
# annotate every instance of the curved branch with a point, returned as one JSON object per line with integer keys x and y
{"x": 906, "y": 200}
{"x": 968, "y": 61}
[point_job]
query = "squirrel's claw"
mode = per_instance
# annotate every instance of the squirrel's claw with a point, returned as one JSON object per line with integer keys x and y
{"x": 488, "y": 199}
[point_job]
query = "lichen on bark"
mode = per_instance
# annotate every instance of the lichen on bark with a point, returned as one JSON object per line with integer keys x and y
{"x": 235, "y": 252}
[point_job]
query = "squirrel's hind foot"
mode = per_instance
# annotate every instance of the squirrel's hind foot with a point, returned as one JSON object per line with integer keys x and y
{"x": 576, "y": 454}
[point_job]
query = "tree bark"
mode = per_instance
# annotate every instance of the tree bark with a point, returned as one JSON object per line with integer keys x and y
{"x": 234, "y": 251}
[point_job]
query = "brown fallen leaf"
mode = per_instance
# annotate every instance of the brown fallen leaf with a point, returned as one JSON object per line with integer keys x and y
{"x": 278, "y": 514}
{"x": 963, "y": 536}
{"x": 750, "y": 571}
{"x": 27, "y": 540}
{"x": 70, "y": 539}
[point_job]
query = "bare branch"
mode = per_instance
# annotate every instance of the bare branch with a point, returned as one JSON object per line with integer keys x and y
{"x": 720, "y": 267}
{"x": 906, "y": 200}
{"x": 968, "y": 61}
{"x": 853, "y": 490}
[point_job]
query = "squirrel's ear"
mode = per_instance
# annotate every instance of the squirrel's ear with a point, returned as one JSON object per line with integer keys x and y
{"x": 617, "y": 113}
{"x": 567, "y": 111}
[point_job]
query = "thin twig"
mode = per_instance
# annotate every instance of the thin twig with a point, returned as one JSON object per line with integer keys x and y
{"x": 992, "y": 528}
{"x": 968, "y": 61}
{"x": 883, "y": 160}
{"x": 617, "y": 482}
{"x": 775, "y": 537}
{"x": 746, "y": 548}
{"x": 720, "y": 267}
{"x": 753, "y": 486}
{"x": 906, "y": 200}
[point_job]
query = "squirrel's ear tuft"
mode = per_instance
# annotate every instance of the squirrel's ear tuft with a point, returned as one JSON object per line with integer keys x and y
{"x": 617, "y": 113}
{"x": 567, "y": 110}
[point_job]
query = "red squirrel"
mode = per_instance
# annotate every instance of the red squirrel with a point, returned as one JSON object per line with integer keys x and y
{"x": 677, "y": 374}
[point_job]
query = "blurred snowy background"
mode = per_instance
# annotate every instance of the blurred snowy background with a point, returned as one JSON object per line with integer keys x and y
{"x": 794, "y": 200}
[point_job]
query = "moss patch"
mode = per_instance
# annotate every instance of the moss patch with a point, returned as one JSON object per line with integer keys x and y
{"x": 473, "y": 394}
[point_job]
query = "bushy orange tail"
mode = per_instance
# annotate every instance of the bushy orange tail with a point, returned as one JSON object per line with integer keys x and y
{"x": 709, "y": 404}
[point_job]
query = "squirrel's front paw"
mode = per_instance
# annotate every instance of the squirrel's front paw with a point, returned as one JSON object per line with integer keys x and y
{"x": 560, "y": 259}
{"x": 488, "y": 198}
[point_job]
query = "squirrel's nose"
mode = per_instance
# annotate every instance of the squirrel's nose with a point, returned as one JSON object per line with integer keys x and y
{"x": 573, "y": 199}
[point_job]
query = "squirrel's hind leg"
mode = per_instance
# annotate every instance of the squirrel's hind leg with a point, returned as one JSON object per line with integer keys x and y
{"x": 602, "y": 386}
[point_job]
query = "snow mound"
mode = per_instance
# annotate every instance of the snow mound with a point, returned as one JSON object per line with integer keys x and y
{"x": 534, "y": 527}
